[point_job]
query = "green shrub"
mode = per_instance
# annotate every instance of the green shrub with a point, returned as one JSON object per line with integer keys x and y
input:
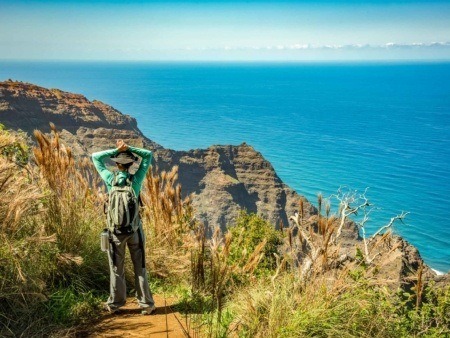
{"x": 339, "y": 308}
{"x": 248, "y": 232}
{"x": 70, "y": 306}
{"x": 431, "y": 319}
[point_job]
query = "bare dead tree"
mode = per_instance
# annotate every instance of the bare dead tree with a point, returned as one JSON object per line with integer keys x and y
{"x": 390, "y": 224}
{"x": 353, "y": 203}
{"x": 350, "y": 203}
{"x": 327, "y": 245}
{"x": 312, "y": 251}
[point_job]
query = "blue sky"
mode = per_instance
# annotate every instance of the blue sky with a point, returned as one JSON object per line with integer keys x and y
{"x": 211, "y": 30}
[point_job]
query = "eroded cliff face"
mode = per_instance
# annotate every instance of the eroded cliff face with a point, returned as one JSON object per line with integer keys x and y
{"x": 222, "y": 179}
{"x": 231, "y": 178}
{"x": 86, "y": 126}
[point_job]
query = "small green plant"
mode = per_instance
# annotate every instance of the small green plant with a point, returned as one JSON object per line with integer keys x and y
{"x": 70, "y": 306}
{"x": 249, "y": 231}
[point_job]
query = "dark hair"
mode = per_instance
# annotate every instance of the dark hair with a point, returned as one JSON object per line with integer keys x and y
{"x": 126, "y": 165}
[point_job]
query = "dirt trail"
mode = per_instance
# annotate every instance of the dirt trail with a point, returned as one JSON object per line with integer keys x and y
{"x": 131, "y": 323}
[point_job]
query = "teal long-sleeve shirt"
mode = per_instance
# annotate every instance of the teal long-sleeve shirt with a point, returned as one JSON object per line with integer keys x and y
{"x": 108, "y": 176}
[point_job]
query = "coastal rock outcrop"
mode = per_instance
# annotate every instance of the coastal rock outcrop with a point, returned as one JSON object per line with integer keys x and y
{"x": 86, "y": 126}
{"x": 231, "y": 178}
{"x": 222, "y": 179}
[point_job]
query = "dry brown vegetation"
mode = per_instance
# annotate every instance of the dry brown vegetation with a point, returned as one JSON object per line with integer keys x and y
{"x": 168, "y": 223}
{"x": 20, "y": 235}
{"x": 52, "y": 270}
{"x": 320, "y": 290}
{"x": 251, "y": 281}
{"x": 50, "y": 220}
{"x": 73, "y": 205}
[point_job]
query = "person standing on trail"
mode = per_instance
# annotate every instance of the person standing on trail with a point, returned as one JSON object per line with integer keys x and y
{"x": 131, "y": 235}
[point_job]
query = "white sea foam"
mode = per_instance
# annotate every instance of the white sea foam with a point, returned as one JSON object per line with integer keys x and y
{"x": 439, "y": 273}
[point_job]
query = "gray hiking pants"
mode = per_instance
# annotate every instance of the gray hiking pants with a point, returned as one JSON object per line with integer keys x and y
{"x": 116, "y": 255}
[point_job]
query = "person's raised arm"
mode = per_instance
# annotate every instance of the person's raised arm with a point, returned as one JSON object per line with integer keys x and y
{"x": 98, "y": 159}
{"x": 146, "y": 156}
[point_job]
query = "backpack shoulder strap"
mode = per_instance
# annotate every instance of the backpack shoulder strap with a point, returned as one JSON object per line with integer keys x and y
{"x": 139, "y": 196}
{"x": 114, "y": 181}
{"x": 130, "y": 180}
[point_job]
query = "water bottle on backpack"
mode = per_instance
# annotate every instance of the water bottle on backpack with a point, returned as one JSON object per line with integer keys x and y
{"x": 104, "y": 240}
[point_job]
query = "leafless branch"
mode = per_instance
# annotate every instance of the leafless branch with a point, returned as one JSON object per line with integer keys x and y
{"x": 390, "y": 224}
{"x": 347, "y": 208}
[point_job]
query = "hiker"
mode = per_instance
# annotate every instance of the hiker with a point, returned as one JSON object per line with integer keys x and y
{"x": 131, "y": 235}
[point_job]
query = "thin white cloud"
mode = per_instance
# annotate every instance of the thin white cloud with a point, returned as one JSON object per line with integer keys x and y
{"x": 298, "y": 46}
{"x": 417, "y": 45}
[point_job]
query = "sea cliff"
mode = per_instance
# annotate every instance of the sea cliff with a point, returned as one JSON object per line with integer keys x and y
{"x": 222, "y": 179}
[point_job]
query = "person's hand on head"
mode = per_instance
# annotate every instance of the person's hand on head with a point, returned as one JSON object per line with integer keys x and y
{"x": 121, "y": 145}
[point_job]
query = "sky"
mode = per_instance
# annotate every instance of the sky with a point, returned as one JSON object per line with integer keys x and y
{"x": 224, "y": 30}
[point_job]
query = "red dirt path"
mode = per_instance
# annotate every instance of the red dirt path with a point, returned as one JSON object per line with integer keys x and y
{"x": 131, "y": 323}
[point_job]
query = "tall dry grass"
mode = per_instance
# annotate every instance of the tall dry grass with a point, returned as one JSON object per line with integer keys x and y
{"x": 50, "y": 218}
{"x": 73, "y": 210}
{"x": 309, "y": 248}
{"x": 318, "y": 290}
{"x": 73, "y": 205}
{"x": 23, "y": 240}
{"x": 337, "y": 307}
{"x": 337, "y": 299}
{"x": 177, "y": 244}
{"x": 322, "y": 308}
{"x": 222, "y": 265}
{"x": 241, "y": 282}
{"x": 168, "y": 225}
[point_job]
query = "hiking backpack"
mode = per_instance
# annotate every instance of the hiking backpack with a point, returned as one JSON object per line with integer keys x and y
{"x": 122, "y": 207}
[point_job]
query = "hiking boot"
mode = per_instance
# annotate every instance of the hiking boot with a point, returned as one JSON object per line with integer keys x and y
{"x": 148, "y": 310}
{"x": 111, "y": 310}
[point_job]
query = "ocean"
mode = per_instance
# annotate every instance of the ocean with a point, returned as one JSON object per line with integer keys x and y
{"x": 385, "y": 126}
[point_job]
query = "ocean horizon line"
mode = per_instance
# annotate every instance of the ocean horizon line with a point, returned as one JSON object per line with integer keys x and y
{"x": 246, "y": 62}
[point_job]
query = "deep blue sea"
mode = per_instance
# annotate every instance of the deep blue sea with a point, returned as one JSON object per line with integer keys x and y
{"x": 322, "y": 125}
